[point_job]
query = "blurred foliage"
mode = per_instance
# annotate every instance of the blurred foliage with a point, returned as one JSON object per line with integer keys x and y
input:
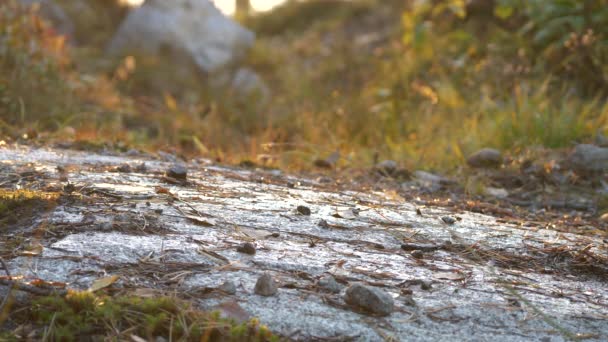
{"x": 87, "y": 316}
{"x": 295, "y": 16}
{"x": 32, "y": 59}
{"x": 95, "y": 21}
{"x": 422, "y": 82}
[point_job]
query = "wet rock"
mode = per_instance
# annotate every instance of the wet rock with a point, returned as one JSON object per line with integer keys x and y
{"x": 370, "y": 299}
{"x": 330, "y": 284}
{"x": 228, "y": 287}
{"x": 265, "y": 286}
{"x": 247, "y": 248}
{"x": 192, "y": 30}
{"x": 589, "y": 158}
{"x": 448, "y": 219}
{"x": 178, "y": 172}
{"x": 303, "y": 210}
{"x": 485, "y": 158}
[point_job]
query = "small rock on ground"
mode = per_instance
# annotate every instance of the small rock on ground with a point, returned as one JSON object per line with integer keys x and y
{"x": 304, "y": 210}
{"x": 589, "y": 158}
{"x": 370, "y": 299}
{"x": 247, "y": 248}
{"x": 228, "y": 286}
{"x": 265, "y": 286}
{"x": 330, "y": 284}
{"x": 448, "y": 219}
{"x": 178, "y": 172}
{"x": 387, "y": 166}
{"x": 485, "y": 158}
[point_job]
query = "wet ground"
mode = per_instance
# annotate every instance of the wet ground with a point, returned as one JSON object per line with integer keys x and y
{"x": 452, "y": 275}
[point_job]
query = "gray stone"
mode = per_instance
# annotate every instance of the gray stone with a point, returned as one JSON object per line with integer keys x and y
{"x": 228, "y": 286}
{"x": 189, "y": 30}
{"x": 448, "y": 219}
{"x": 303, "y": 210}
{"x": 178, "y": 172}
{"x": 265, "y": 286}
{"x": 370, "y": 299}
{"x": 387, "y": 166}
{"x": 247, "y": 248}
{"x": 485, "y": 158}
{"x": 330, "y": 284}
{"x": 589, "y": 158}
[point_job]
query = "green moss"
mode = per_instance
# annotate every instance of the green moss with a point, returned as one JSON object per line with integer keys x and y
{"x": 83, "y": 314}
{"x": 23, "y": 204}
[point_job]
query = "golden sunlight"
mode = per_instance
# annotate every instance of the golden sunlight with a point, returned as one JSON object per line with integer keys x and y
{"x": 227, "y": 6}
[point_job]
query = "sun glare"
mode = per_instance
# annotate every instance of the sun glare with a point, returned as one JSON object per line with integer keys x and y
{"x": 227, "y": 6}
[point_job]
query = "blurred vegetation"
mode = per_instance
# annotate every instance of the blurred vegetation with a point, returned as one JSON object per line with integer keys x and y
{"x": 422, "y": 82}
{"x": 84, "y": 315}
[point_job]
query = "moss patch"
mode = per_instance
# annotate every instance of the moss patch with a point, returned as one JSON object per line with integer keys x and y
{"x": 18, "y": 206}
{"x": 81, "y": 315}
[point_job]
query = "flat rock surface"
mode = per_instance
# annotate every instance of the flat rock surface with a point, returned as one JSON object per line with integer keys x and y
{"x": 475, "y": 279}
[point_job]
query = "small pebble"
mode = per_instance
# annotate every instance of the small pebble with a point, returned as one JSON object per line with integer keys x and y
{"x": 448, "y": 219}
{"x": 417, "y": 254}
{"x": 330, "y": 284}
{"x": 125, "y": 168}
{"x": 247, "y": 248}
{"x": 323, "y": 224}
{"x": 178, "y": 172}
{"x": 228, "y": 286}
{"x": 370, "y": 299}
{"x": 304, "y": 210}
{"x": 158, "y": 211}
{"x": 426, "y": 285}
{"x": 485, "y": 158}
{"x": 408, "y": 300}
{"x": 406, "y": 291}
{"x": 265, "y": 286}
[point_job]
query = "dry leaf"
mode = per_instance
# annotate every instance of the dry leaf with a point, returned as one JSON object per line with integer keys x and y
{"x": 207, "y": 222}
{"x": 34, "y": 250}
{"x": 103, "y": 283}
{"x": 346, "y": 213}
{"x": 136, "y": 338}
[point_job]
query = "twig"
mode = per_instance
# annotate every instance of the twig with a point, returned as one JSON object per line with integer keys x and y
{"x": 33, "y": 289}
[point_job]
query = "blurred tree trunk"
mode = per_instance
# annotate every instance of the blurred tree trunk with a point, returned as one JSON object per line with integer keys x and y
{"x": 243, "y": 9}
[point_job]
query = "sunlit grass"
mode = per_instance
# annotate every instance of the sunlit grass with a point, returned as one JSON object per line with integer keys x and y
{"x": 426, "y": 105}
